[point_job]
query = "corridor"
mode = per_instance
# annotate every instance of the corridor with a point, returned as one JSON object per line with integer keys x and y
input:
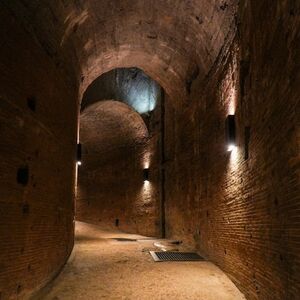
{"x": 172, "y": 119}
{"x": 103, "y": 268}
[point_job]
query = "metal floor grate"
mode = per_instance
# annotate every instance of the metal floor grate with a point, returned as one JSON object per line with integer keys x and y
{"x": 124, "y": 240}
{"x": 175, "y": 256}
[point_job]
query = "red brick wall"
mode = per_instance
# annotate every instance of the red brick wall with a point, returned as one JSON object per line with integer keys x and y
{"x": 243, "y": 213}
{"x": 38, "y": 138}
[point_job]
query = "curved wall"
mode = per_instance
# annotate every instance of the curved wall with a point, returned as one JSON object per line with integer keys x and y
{"x": 38, "y": 115}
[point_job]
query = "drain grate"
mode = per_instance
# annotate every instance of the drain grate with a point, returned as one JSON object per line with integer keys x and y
{"x": 124, "y": 240}
{"x": 175, "y": 256}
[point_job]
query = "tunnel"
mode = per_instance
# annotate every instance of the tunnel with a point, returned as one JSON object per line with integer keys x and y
{"x": 119, "y": 140}
{"x": 150, "y": 126}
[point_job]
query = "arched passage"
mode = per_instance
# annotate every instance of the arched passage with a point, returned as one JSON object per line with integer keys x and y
{"x": 129, "y": 85}
{"x": 120, "y": 139}
{"x": 116, "y": 148}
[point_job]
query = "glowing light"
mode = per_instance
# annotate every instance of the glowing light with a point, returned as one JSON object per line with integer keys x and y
{"x": 144, "y": 99}
{"x": 143, "y": 103}
{"x": 79, "y": 163}
{"x": 231, "y": 148}
{"x": 231, "y": 108}
{"x": 146, "y": 193}
{"x": 234, "y": 157}
{"x": 146, "y": 160}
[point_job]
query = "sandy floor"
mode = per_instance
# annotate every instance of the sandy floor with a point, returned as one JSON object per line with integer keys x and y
{"x": 103, "y": 268}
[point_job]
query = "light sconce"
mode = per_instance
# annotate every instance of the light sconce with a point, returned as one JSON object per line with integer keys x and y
{"x": 146, "y": 175}
{"x": 230, "y": 132}
{"x": 79, "y": 154}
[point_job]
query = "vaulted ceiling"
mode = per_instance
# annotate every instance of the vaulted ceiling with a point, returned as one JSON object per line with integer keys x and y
{"x": 173, "y": 41}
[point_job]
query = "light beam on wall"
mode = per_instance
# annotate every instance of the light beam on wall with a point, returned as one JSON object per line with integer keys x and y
{"x": 144, "y": 99}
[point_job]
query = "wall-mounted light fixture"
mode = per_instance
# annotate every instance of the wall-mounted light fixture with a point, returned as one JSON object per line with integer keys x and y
{"x": 146, "y": 175}
{"x": 79, "y": 154}
{"x": 230, "y": 132}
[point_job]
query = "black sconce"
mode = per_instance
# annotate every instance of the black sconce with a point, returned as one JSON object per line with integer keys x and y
{"x": 230, "y": 132}
{"x": 146, "y": 175}
{"x": 79, "y": 154}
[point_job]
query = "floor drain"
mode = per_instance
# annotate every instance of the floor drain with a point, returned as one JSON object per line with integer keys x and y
{"x": 175, "y": 256}
{"x": 124, "y": 240}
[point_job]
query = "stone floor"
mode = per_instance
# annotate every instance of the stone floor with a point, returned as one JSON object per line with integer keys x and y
{"x": 103, "y": 268}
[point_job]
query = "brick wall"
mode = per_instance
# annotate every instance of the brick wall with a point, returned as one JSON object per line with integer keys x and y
{"x": 241, "y": 209}
{"x": 37, "y": 148}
